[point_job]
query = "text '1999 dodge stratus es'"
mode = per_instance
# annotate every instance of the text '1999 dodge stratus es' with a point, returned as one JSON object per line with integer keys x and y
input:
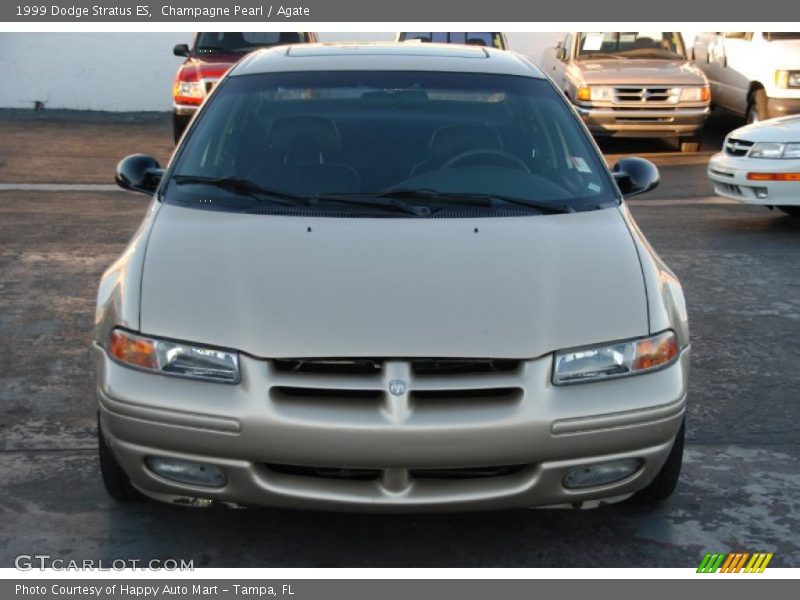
{"x": 389, "y": 277}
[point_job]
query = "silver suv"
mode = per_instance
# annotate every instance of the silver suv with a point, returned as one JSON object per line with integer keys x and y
{"x": 389, "y": 277}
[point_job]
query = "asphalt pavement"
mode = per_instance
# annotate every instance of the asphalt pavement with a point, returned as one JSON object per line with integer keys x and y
{"x": 739, "y": 491}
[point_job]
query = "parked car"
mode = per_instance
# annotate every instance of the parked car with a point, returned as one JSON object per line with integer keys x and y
{"x": 752, "y": 74}
{"x": 208, "y": 57}
{"x": 389, "y": 277}
{"x": 632, "y": 84}
{"x": 760, "y": 164}
{"x": 488, "y": 39}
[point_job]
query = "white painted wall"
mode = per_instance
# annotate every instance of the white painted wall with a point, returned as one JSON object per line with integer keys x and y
{"x": 128, "y": 71}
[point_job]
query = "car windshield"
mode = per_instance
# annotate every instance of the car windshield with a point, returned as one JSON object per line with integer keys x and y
{"x": 240, "y": 43}
{"x": 630, "y": 44}
{"x": 451, "y": 142}
{"x": 492, "y": 40}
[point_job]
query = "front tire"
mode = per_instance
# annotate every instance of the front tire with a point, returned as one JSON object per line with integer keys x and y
{"x": 116, "y": 481}
{"x": 666, "y": 481}
{"x": 793, "y": 211}
{"x": 757, "y": 107}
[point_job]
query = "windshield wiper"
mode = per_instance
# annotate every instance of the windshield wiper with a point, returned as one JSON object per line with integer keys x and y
{"x": 476, "y": 199}
{"x": 374, "y": 201}
{"x": 245, "y": 187}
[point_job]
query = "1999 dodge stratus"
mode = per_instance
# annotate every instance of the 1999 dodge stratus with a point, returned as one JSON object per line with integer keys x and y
{"x": 389, "y": 278}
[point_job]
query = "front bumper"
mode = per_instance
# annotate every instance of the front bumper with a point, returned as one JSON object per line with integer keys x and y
{"x": 728, "y": 175}
{"x": 255, "y": 430}
{"x": 184, "y": 110}
{"x": 631, "y": 121}
{"x": 780, "y": 107}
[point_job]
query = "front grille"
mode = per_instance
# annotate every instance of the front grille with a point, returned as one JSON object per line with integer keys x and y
{"x": 322, "y": 394}
{"x": 466, "y": 473}
{"x": 342, "y": 473}
{"x": 734, "y": 147}
{"x": 359, "y": 366}
{"x": 456, "y": 366}
{"x": 479, "y": 395}
{"x": 351, "y": 474}
{"x": 734, "y": 190}
{"x": 641, "y": 94}
{"x": 377, "y": 387}
{"x": 419, "y": 366}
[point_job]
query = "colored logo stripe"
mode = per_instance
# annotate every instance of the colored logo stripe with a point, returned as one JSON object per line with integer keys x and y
{"x": 734, "y": 562}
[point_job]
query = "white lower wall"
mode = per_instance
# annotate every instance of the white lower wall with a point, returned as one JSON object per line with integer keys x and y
{"x": 128, "y": 71}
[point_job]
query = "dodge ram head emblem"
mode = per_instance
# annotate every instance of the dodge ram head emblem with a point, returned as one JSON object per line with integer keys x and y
{"x": 397, "y": 387}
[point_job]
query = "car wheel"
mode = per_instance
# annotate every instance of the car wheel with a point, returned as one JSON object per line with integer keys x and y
{"x": 116, "y": 481}
{"x": 757, "y": 107}
{"x": 690, "y": 144}
{"x": 791, "y": 210}
{"x": 666, "y": 481}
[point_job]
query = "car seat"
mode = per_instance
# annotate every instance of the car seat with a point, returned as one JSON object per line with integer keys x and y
{"x": 451, "y": 140}
{"x": 300, "y": 158}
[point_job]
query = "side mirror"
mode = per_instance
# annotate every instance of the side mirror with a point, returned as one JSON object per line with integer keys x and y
{"x": 181, "y": 50}
{"x": 139, "y": 173}
{"x": 561, "y": 54}
{"x": 635, "y": 176}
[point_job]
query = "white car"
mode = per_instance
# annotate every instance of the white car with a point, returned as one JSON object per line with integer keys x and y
{"x": 760, "y": 164}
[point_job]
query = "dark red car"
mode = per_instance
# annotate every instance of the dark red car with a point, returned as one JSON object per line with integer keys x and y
{"x": 207, "y": 60}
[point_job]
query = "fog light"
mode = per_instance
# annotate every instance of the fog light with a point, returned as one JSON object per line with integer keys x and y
{"x": 601, "y": 474}
{"x": 761, "y": 192}
{"x": 184, "y": 471}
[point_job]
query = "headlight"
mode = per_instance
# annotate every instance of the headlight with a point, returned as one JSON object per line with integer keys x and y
{"x": 596, "y": 93}
{"x": 791, "y": 151}
{"x": 619, "y": 359}
{"x": 174, "y": 358}
{"x": 696, "y": 94}
{"x": 774, "y": 150}
{"x": 191, "y": 90}
{"x": 787, "y": 79}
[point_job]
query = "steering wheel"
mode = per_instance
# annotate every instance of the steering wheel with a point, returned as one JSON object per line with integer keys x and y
{"x": 511, "y": 159}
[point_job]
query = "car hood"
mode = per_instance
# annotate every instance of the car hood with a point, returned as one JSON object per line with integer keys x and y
{"x": 782, "y": 129}
{"x": 612, "y": 71}
{"x": 782, "y": 54}
{"x": 278, "y": 286}
{"x": 210, "y": 67}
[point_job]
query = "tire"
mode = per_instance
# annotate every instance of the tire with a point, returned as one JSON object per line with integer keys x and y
{"x": 757, "y": 107}
{"x": 666, "y": 481}
{"x": 116, "y": 481}
{"x": 690, "y": 144}
{"x": 179, "y": 124}
{"x": 794, "y": 211}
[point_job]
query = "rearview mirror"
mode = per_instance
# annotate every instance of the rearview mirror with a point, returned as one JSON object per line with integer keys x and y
{"x": 139, "y": 173}
{"x": 181, "y": 50}
{"x": 635, "y": 176}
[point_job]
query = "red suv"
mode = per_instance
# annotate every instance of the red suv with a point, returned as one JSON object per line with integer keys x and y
{"x": 207, "y": 60}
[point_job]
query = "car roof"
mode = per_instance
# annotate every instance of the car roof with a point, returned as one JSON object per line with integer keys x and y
{"x": 386, "y": 57}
